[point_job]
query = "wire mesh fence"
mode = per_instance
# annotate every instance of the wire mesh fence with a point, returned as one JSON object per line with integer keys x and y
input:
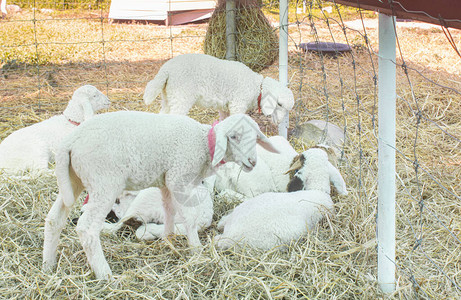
{"x": 52, "y": 47}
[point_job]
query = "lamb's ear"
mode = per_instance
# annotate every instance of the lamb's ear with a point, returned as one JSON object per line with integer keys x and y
{"x": 296, "y": 164}
{"x": 337, "y": 179}
{"x": 88, "y": 111}
{"x": 268, "y": 104}
{"x": 220, "y": 148}
{"x": 264, "y": 142}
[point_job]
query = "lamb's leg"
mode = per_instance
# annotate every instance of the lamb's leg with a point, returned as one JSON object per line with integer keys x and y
{"x": 170, "y": 211}
{"x": 192, "y": 234}
{"x": 189, "y": 214}
{"x": 178, "y": 104}
{"x": 165, "y": 109}
{"x": 180, "y": 189}
{"x": 54, "y": 223}
{"x": 152, "y": 231}
{"x": 222, "y": 242}
{"x": 112, "y": 228}
{"x": 89, "y": 227}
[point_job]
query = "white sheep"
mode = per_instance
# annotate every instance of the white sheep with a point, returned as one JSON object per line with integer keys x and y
{"x": 33, "y": 147}
{"x": 131, "y": 150}
{"x": 275, "y": 219}
{"x": 228, "y": 86}
{"x": 146, "y": 207}
{"x": 269, "y": 175}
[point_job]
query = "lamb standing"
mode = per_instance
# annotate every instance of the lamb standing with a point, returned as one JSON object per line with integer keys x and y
{"x": 146, "y": 207}
{"x": 228, "y": 86}
{"x": 33, "y": 147}
{"x": 130, "y": 150}
{"x": 274, "y": 219}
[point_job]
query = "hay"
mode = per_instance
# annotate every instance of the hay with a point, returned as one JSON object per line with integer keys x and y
{"x": 159, "y": 269}
{"x": 257, "y": 42}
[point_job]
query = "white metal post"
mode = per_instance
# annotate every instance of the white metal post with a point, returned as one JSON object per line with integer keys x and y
{"x": 283, "y": 57}
{"x": 386, "y": 154}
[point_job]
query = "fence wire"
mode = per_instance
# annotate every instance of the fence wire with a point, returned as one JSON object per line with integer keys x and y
{"x": 50, "y": 48}
{"x": 424, "y": 219}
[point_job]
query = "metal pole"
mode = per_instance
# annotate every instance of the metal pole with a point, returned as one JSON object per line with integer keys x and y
{"x": 230, "y": 30}
{"x": 386, "y": 154}
{"x": 283, "y": 57}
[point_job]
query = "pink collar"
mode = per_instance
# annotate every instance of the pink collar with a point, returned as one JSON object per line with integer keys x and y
{"x": 73, "y": 122}
{"x": 212, "y": 142}
{"x": 86, "y": 199}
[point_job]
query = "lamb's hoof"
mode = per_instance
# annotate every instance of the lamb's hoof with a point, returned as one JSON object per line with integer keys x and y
{"x": 197, "y": 249}
{"x": 222, "y": 243}
{"x": 149, "y": 233}
{"x": 105, "y": 274}
{"x": 48, "y": 267}
{"x": 108, "y": 278}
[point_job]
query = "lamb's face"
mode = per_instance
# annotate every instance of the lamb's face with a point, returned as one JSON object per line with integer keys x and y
{"x": 279, "y": 113}
{"x": 236, "y": 139}
{"x": 242, "y": 147}
{"x": 310, "y": 169}
{"x": 123, "y": 202}
{"x": 277, "y": 100}
{"x": 97, "y": 99}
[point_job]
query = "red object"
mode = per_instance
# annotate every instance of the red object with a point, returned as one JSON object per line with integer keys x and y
{"x": 442, "y": 12}
{"x": 86, "y": 199}
{"x": 73, "y": 122}
{"x": 212, "y": 142}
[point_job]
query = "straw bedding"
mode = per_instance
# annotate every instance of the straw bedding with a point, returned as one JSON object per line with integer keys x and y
{"x": 338, "y": 260}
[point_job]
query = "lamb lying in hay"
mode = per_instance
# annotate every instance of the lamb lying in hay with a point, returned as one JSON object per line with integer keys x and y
{"x": 145, "y": 209}
{"x": 228, "y": 86}
{"x": 130, "y": 150}
{"x": 33, "y": 147}
{"x": 275, "y": 219}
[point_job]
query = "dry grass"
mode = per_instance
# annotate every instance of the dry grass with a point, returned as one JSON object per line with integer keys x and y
{"x": 256, "y": 39}
{"x": 336, "y": 261}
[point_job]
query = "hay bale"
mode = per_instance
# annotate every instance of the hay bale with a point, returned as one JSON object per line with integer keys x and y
{"x": 257, "y": 42}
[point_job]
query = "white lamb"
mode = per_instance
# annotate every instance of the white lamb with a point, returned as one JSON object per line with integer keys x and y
{"x": 274, "y": 219}
{"x": 146, "y": 206}
{"x": 269, "y": 175}
{"x": 228, "y": 86}
{"x": 130, "y": 150}
{"x": 33, "y": 147}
